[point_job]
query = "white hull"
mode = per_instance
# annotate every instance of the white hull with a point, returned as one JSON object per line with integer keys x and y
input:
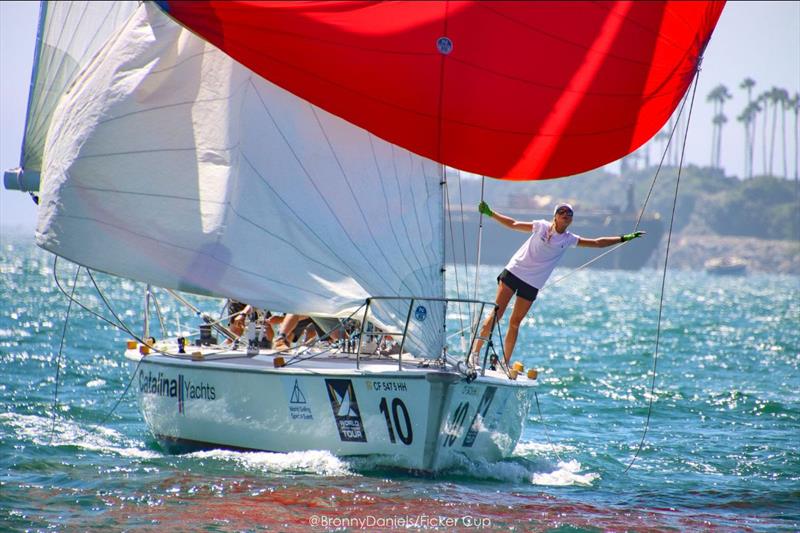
{"x": 418, "y": 418}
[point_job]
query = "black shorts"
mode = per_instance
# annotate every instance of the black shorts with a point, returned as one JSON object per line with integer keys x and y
{"x": 520, "y": 288}
{"x": 302, "y": 325}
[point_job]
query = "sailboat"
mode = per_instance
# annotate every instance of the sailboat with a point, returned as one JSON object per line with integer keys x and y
{"x": 293, "y": 155}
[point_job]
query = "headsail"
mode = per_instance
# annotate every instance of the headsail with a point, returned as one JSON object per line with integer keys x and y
{"x": 168, "y": 162}
{"x": 517, "y": 90}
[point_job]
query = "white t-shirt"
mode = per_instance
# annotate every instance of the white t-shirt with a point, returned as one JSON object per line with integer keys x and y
{"x": 538, "y": 256}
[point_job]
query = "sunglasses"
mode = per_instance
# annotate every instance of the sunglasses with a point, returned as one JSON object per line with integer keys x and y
{"x": 564, "y": 212}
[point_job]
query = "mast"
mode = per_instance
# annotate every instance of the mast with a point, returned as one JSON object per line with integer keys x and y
{"x": 443, "y": 190}
{"x": 146, "y": 312}
{"x": 480, "y": 237}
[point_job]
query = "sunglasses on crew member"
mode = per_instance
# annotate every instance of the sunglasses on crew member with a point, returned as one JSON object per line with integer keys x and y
{"x": 564, "y": 211}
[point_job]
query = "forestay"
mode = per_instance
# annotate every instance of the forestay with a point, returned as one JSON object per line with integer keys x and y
{"x": 170, "y": 163}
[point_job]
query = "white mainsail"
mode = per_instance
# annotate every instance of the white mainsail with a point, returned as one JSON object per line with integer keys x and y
{"x": 70, "y": 34}
{"x": 170, "y": 163}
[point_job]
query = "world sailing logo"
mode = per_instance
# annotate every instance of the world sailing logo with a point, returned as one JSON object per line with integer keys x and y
{"x": 345, "y": 410}
{"x": 179, "y": 388}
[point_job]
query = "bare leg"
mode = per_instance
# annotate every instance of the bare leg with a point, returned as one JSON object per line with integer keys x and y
{"x": 284, "y": 341}
{"x": 289, "y": 323}
{"x": 503, "y": 296}
{"x": 521, "y": 307}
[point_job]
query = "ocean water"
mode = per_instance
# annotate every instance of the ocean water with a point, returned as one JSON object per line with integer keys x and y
{"x": 722, "y": 452}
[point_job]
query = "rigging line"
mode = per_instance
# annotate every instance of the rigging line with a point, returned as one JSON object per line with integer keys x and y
{"x": 61, "y": 348}
{"x": 478, "y": 257}
{"x": 453, "y": 250}
{"x": 661, "y": 163}
{"x": 586, "y": 264}
{"x": 72, "y": 299}
{"x": 644, "y": 204}
{"x": 158, "y": 314}
{"x": 90, "y": 311}
{"x": 439, "y": 123}
{"x": 121, "y": 327}
{"x": 108, "y": 306}
{"x": 664, "y": 275}
{"x": 546, "y": 429}
{"x": 105, "y": 419}
{"x": 463, "y": 233}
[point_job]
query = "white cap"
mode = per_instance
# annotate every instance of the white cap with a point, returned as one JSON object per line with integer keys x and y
{"x": 559, "y": 206}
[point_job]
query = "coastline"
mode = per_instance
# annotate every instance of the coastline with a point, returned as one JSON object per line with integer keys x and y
{"x": 690, "y": 251}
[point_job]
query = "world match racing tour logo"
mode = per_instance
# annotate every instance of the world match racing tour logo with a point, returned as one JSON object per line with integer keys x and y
{"x": 179, "y": 388}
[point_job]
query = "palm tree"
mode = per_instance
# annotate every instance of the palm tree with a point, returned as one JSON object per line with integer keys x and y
{"x": 749, "y": 125}
{"x": 748, "y": 84}
{"x": 763, "y": 100}
{"x": 747, "y": 117}
{"x": 782, "y": 97}
{"x": 775, "y": 96}
{"x": 717, "y": 97}
{"x": 719, "y": 120}
{"x": 794, "y": 106}
{"x": 755, "y": 107}
{"x": 714, "y": 97}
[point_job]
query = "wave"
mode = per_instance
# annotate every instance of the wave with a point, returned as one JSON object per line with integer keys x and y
{"x": 40, "y": 431}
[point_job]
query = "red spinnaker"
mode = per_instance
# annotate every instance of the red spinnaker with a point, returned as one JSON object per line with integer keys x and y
{"x": 513, "y": 90}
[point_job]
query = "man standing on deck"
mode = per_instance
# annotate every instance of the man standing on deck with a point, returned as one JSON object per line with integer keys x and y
{"x": 528, "y": 270}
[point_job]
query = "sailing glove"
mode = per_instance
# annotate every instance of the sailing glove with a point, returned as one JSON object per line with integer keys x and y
{"x": 484, "y": 208}
{"x": 630, "y": 236}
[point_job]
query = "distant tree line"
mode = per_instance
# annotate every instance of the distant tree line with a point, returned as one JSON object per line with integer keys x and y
{"x": 765, "y": 119}
{"x": 709, "y": 202}
{"x": 764, "y": 110}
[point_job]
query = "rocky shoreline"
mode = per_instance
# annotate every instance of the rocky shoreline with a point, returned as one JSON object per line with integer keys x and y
{"x": 690, "y": 251}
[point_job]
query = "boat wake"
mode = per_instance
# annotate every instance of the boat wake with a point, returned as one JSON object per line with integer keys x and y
{"x": 39, "y": 430}
{"x": 317, "y": 462}
{"x": 529, "y": 464}
{"x": 521, "y": 470}
{"x": 563, "y": 474}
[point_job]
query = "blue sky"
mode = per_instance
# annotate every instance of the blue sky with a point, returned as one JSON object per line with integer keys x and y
{"x": 756, "y": 39}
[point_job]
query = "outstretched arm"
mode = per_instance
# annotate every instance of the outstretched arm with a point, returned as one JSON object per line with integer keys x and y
{"x": 508, "y": 222}
{"x": 602, "y": 242}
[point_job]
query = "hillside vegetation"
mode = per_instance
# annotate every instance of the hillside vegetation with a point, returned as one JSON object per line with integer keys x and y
{"x": 712, "y": 203}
